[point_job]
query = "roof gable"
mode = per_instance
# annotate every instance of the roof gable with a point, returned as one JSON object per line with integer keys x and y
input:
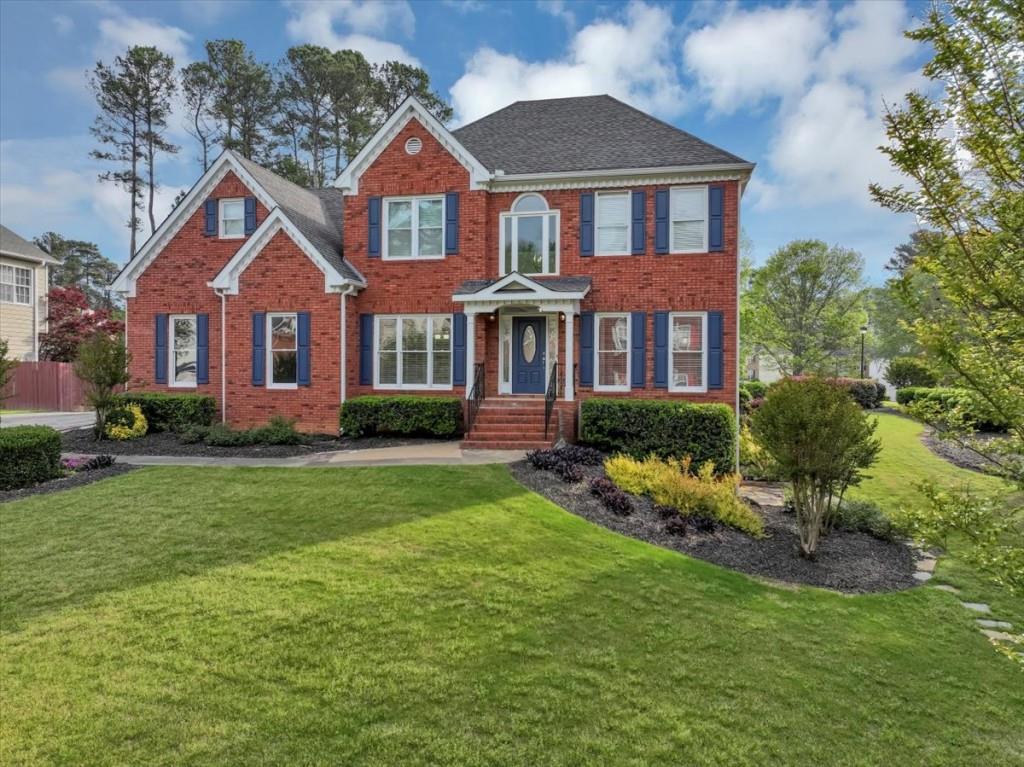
{"x": 14, "y": 245}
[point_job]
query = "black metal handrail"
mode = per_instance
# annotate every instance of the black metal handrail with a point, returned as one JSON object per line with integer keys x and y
{"x": 476, "y": 395}
{"x": 549, "y": 397}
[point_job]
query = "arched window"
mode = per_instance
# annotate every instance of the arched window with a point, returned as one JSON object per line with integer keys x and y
{"x": 529, "y": 238}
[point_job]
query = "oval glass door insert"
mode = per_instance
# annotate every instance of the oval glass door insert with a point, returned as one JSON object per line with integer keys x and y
{"x": 529, "y": 344}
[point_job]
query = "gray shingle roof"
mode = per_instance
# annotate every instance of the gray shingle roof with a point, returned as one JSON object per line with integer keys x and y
{"x": 317, "y": 213}
{"x": 579, "y": 134}
{"x": 13, "y": 244}
{"x": 559, "y": 284}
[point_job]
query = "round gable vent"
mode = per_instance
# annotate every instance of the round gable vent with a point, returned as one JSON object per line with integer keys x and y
{"x": 413, "y": 146}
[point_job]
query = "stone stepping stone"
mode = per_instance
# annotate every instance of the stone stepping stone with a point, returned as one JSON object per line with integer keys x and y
{"x": 978, "y": 607}
{"x": 926, "y": 565}
{"x": 947, "y": 588}
{"x": 985, "y": 623}
{"x": 922, "y": 577}
{"x": 999, "y": 636}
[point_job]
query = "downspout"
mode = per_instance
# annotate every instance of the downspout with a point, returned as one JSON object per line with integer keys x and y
{"x": 739, "y": 417}
{"x": 35, "y": 313}
{"x": 223, "y": 355}
{"x": 348, "y": 291}
{"x": 125, "y": 297}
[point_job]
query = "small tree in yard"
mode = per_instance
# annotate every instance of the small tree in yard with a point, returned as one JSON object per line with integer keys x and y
{"x": 102, "y": 364}
{"x": 821, "y": 440}
{"x": 908, "y": 371}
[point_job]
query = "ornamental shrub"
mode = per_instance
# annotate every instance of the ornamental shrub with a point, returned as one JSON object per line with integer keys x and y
{"x": 172, "y": 412}
{"x": 909, "y": 371}
{"x": 756, "y": 462}
{"x": 28, "y": 454}
{"x": 863, "y": 516}
{"x": 613, "y": 499}
{"x": 666, "y": 429}
{"x": 404, "y": 414}
{"x": 756, "y": 389}
{"x": 945, "y": 400}
{"x": 125, "y": 422}
{"x": 866, "y": 392}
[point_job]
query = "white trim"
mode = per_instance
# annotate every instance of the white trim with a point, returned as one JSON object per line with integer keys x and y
{"x": 582, "y": 179}
{"x": 37, "y": 260}
{"x": 704, "y": 354}
{"x": 598, "y": 386}
{"x": 545, "y": 231}
{"x": 707, "y": 220}
{"x": 629, "y": 222}
{"x": 172, "y": 362}
{"x": 223, "y": 356}
{"x": 409, "y": 109}
{"x": 15, "y": 285}
{"x": 532, "y": 292}
{"x": 398, "y": 385}
{"x": 221, "y": 235}
{"x": 414, "y": 228}
{"x": 270, "y": 351}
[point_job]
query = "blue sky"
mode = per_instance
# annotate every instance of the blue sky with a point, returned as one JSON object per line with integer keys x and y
{"x": 797, "y": 88}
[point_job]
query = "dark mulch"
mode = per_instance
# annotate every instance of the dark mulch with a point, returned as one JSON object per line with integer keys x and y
{"x": 167, "y": 443}
{"x": 66, "y": 483}
{"x": 849, "y": 562}
{"x": 956, "y": 455}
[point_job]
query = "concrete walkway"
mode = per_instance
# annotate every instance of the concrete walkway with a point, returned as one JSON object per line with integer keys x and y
{"x": 439, "y": 454}
{"x": 58, "y": 420}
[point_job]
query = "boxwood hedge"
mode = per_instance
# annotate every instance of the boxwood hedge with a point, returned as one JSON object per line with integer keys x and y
{"x": 28, "y": 454}
{"x": 404, "y": 415}
{"x": 663, "y": 428}
{"x": 172, "y": 412}
{"x": 975, "y": 411}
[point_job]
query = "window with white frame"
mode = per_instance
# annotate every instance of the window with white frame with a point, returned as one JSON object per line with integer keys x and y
{"x": 232, "y": 218}
{"x": 529, "y": 238}
{"x": 688, "y": 347}
{"x": 283, "y": 350}
{"x": 612, "y": 352}
{"x": 414, "y": 351}
{"x": 415, "y": 227}
{"x": 183, "y": 349}
{"x": 15, "y": 284}
{"x": 612, "y": 223}
{"x": 689, "y": 219}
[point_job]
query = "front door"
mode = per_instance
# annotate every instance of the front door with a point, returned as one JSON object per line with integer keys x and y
{"x": 529, "y": 347}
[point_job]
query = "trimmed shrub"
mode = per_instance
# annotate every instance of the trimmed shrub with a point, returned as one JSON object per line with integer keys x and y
{"x": 279, "y": 431}
{"x": 613, "y": 499}
{"x": 976, "y": 413}
{"x": 172, "y": 412}
{"x": 756, "y": 389}
{"x": 222, "y": 435}
{"x": 28, "y": 455}
{"x": 864, "y": 517}
{"x": 125, "y": 422}
{"x": 404, "y": 414}
{"x": 909, "y": 371}
{"x": 666, "y": 429}
{"x": 866, "y": 392}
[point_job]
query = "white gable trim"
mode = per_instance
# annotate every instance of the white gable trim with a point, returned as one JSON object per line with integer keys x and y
{"x": 227, "y": 278}
{"x": 410, "y": 108}
{"x": 126, "y": 279}
{"x": 515, "y": 288}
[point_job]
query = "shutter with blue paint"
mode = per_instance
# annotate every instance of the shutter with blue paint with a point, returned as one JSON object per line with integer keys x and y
{"x": 250, "y": 215}
{"x": 259, "y": 348}
{"x": 458, "y": 349}
{"x": 638, "y": 350}
{"x": 586, "y": 223}
{"x": 210, "y": 220}
{"x": 716, "y": 218}
{"x": 373, "y": 232}
{"x": 716, "y": 350}
{"x": 160, "y": 348}
{"x": 365, "y": 349}
{"x": 639, "y": 222}
{"x": 661, "y": 350}
{"x": 451, "y": 223}
{"x": 302, "y": 368}
{"x": 586, "y": 348}
{"x": 661, "y": 221}
{"x": 202, "y": 348}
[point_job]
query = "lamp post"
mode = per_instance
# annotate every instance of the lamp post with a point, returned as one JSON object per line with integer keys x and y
{"x": 863, "y": 333}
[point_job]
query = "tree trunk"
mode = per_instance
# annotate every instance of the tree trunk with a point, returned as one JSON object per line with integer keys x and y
{"x": 149, "y": 157}
{"x": 133, "y": 221}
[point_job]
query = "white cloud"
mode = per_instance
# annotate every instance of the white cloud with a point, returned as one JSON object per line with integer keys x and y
{"x": 464, "y": 6}
{"x": 629, "y": 58}
{"x": 120, "y": 32}
{"x": 365, "y": 25}
{"x": 63, "y": 24}
{"x": 209, "y": 12}
{"x": 560, "y": 10}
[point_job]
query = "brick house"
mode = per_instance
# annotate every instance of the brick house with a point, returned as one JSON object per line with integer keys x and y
{"x": 554, "y": 250}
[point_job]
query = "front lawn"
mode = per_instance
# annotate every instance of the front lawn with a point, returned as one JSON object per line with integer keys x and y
{"x": 444, "y": 615}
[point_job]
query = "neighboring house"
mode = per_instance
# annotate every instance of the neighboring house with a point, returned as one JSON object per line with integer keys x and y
{"x": 24, "y": 281}
{"x": 576, "y": 247}
{"x": 761, "y": 367}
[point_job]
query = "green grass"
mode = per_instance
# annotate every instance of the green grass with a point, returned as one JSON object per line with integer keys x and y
{"x": 444, "y": 615}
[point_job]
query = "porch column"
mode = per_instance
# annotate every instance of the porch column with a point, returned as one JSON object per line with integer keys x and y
{"x": 569, "y": 393}
{"x": 470, "y": 351}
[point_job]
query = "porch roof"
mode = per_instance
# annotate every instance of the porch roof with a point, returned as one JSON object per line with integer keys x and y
{"x": 562, "y": 294}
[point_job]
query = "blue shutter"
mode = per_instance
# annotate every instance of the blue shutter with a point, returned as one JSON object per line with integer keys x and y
{"x": 586, "y": 223}
{"x": 451, "y": 223}
{"x": 302, "y": 372}
{"x": 638, "y": 350}
{"x": 160, "y": 348}
{"x": 716, "y": 218}
{"x": 250, "y": 215}
{"x": 639, "y": 223}
{"x": 259, "y": 348}
{"x": 661, "y": 221}
{"x": 202, "y": 348}
{"x": 458, "y": 349}
{"x": 373, "y": 233}
{"x": 365, "y": 349}
{"x": 586, "y": 348}
{"x": 210, "y": 223}
{"x": 716, "y": 349}
{"x": 661, "y": 350}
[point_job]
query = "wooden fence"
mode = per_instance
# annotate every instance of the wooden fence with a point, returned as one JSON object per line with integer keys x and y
{"x": 44, "y": 386}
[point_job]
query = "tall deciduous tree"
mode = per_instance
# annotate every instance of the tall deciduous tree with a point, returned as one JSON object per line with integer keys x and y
{"x": 81, "y": 266}
{"x": 198, "y": 86}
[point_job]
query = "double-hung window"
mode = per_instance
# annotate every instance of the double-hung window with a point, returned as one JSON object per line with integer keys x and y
{"x": 183, "y": 349}
{"x": 232, "y": 218}
{"x": 612, "y": 223}
{"x": 414, "y": 226}
{"x": 414, "y": 352}
{"x": 15, "y": 284}
{"x": 688, "y": 344}
{"x": 528, "y": 238}
{"x": 612, "y": 351}
{"x": 283, "y": 350}
{"x": 688, "y": 210}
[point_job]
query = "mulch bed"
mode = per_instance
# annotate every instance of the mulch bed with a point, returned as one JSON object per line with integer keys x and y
{"x": 78, "y": 479}
{"x": 850, "y": 562}
{"x": 167, "y": 443}
{"x": 956, "y": 455}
